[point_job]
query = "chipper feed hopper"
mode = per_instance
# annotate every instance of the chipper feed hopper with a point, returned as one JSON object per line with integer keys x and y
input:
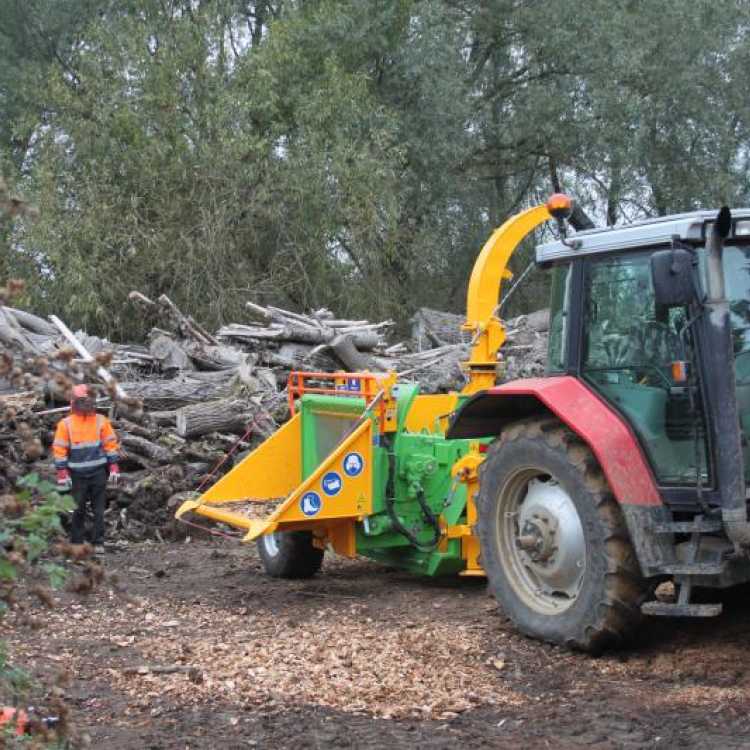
{"x": 575, "y": 494}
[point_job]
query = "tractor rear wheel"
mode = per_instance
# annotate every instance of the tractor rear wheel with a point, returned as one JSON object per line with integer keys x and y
{"x": 554, "y": 544}
{"x": 290, "y": 554}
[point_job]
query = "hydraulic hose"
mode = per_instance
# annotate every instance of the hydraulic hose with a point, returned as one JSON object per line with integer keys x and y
{"x": 428, "y": 516}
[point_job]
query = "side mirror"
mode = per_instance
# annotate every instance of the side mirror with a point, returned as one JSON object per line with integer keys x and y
{"x": 672, "y": 274}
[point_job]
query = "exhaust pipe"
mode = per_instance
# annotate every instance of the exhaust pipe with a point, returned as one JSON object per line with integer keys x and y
{"x": 719, "y": 371}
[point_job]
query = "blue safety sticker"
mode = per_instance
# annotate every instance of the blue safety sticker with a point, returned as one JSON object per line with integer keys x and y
{"x": 353, "y": 384}
{"x": 354, "y": 464}
{"x": 331, "y": 483}
{"x": 310, "y": 503}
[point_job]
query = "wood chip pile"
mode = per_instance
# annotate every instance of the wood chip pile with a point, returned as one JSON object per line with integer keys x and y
{"x": 340, "y": 660}
{"x": 183, "y": 398}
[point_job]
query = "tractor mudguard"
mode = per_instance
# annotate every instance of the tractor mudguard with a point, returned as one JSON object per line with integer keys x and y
{"x": 606, "y": 433}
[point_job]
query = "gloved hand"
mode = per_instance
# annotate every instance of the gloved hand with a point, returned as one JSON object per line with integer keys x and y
{"x": 114, "y": 475}
{"x": 64, "y": 482}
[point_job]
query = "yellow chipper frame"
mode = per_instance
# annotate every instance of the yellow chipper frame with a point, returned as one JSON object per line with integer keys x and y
{"x": 363, "y": 466}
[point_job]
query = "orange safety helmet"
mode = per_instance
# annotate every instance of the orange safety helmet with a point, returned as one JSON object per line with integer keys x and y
{"x": 80, "y": 391}
{"x": 81, "y": 401}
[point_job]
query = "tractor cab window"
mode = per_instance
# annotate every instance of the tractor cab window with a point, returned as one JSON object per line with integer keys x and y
{"x": 559, "y": 320}
{"x": 628, "y": 350}
{"x": 736, "y": 262}
{"x": 737, "y": 277}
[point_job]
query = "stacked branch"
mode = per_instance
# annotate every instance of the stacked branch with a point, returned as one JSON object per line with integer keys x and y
{"x": 183, "y": 400}
{"x": 197, "y": 417}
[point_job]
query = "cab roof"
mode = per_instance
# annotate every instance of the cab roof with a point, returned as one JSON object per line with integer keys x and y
{"x": 688, "y": 227}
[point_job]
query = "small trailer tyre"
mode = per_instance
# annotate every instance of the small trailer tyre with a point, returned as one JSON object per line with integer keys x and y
{"x": 290, "y": 554}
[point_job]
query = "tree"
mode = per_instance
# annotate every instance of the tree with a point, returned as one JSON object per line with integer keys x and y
{"x": 349, "y": 154}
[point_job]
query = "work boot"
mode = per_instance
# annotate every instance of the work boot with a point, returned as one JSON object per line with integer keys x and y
{"x": 98, "y": 549}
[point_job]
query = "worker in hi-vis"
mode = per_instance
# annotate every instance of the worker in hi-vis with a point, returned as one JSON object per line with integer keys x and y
{"x": 86, "y": 455}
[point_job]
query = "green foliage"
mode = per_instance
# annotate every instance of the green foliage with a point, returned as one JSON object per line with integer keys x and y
{"x": 42, "y": 508}
{"x": 345, "y": 153}
{"x": 13, "y": 681}
{"x": 30, "y": 521}
{"x": 34, "y": 35}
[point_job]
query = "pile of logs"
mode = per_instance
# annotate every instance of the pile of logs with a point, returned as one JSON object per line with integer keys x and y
{"x": 276, "y": 341}
{"x": 187, "y": 396}
{"x": 156, "y": 463}
{"x": 175, "y": 426}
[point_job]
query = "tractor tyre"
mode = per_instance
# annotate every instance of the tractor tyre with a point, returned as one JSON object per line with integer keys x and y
{"x": 554, "y": 544}
{"x": 290, "y": 554}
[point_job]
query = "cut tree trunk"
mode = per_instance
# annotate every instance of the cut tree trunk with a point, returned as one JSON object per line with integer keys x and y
{"x": 169, "y": 354}
{"x": 12, "y": 335}
{"x": 125, "y": 425}
{"x": 300, "y": 357}
{"x": 345, "y": 350}
{"x": 146, "y": 448}
{"x": 161, "y": 395}
{"x": 32, "y": 323}
{"x": 163, "y": 418}
{"x": 364, "y": 338}
{"x": 208, "y": 357}
{"x": 228, "y": 415}
{"x": 213, "y": 376}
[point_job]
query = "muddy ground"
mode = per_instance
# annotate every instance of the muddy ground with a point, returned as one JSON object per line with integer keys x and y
{"x": 364, "y": 656}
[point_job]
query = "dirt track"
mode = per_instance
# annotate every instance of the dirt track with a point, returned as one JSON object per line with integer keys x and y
{"x": 365, "y": 656}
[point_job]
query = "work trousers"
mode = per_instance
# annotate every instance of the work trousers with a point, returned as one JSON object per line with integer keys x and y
{"x": 88, "y": 489}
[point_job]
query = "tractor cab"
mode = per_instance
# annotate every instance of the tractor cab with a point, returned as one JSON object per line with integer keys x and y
{"x": 609, "y": 328}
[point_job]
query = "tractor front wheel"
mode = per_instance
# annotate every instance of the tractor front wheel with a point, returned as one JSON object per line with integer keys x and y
{"x": 290, "y": 554}
{"x": 554, "y": 544}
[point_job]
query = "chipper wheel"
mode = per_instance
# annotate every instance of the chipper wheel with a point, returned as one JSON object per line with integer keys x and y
{"x": 290, "y": 554}
{"x": 554, "y": 544}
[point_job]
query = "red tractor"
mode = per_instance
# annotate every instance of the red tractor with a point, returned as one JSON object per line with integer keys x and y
{"x": 627, "y": 464}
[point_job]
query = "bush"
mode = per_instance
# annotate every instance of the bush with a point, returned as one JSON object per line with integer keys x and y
{"x": 29, "y": 524}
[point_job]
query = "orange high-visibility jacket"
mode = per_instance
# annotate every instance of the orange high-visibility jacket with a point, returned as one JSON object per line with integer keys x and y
{"x": 85, "y": 443}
